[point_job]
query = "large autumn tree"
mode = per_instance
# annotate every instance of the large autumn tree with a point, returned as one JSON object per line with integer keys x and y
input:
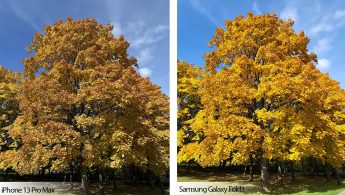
{"x": 83, "y": 104}
{"x": 263, "y": 97}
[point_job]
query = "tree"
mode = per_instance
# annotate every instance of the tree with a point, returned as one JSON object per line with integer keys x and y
{"x": 83, "y": 104}
{"x": 9, "y": 110}
{"x": 263, "y": 97}
{"x": 188, "y": 84}
{"x": 9, "y": 87}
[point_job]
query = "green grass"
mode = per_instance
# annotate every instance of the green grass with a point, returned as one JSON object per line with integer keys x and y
{"x": 307, "y": 185}
{"x": 302, "y": 185}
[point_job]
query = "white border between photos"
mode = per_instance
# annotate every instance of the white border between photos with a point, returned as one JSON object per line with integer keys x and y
{"x": 173, "y": 97}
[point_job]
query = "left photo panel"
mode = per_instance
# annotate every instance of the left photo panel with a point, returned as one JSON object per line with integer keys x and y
{"x": 84, "y": 97}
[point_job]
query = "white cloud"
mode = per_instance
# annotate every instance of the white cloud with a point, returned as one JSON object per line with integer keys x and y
{"x": 339, "y": 14}
{"x": 145, "y": 72}
{"x": 145, "y": 55}
{"x": 117, "y": 30}
{"x": 142, "y": 38}
{"x": 322, "y": 46}
{"x": 323, "y": 63}
{"x": 326, "y": 27}
{"x": 289, "y": 13}
{"x": 322, "y": 29}
{"x": 145, "y": 31}
{"x": 329, "y": 22}
{"x": 150, "y": 36}
{"x": 139, "y": 34}
{"x": 204, "y": 11}
{"x": 20, "y": 13}
{"x": 136, "y": 26}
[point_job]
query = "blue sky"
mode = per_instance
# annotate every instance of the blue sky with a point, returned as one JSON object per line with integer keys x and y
{"x": 145, "y": 24}
{"x": 322, "y": 21}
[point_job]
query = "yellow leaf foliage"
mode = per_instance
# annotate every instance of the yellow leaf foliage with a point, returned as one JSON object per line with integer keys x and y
{"x": 188, "y": 100}
{"x": 262, "y": 95}
{"x": 83, "y": 101}
{"x": 9, "y": 110}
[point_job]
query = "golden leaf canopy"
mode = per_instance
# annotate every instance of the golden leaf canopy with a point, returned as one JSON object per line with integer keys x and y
{"x": 83, "y": 102}
{"x": 262, "y": 96}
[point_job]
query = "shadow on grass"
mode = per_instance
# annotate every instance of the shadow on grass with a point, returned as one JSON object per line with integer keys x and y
{"x": 302, "y": 185}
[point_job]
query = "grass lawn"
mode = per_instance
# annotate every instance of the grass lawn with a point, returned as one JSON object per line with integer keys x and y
{"x": 302, "y": 185}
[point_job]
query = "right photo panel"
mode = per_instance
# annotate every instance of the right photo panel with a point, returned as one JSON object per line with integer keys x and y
{"x": 261, "y": 99}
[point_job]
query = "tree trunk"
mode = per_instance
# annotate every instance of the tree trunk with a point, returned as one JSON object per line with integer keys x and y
{"x": 251, "y": 178}
{"x": 6, "y": 175}
{"x": 149, "y": 177}
{"x": 303, "y": 167}
{"x": 100, "y": 179}
{"x": 106, "y": 177}
{"x": 224, "y": 164}
{"x": 135, "y": 174}
{"x": 84, "y": 181}
{"x": 293, "y": 171}
{"x": 337, "y": 176}
{"x": 114, "y": 180}
{"x": 160, "y": 184}
{"x": 284, "y": 169}
{"x": 312, "y": 165}
{"x": 280, "y": 178}
{"x": 188, "y": 167}
{"x": 328, "y": 176}
{"x": 264, "y": 174}
{"x": 126, "y": 173}
{"x": 71, "y": 177}
{"x": 245, "y": 170}
{"x": 64, "y": 178}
